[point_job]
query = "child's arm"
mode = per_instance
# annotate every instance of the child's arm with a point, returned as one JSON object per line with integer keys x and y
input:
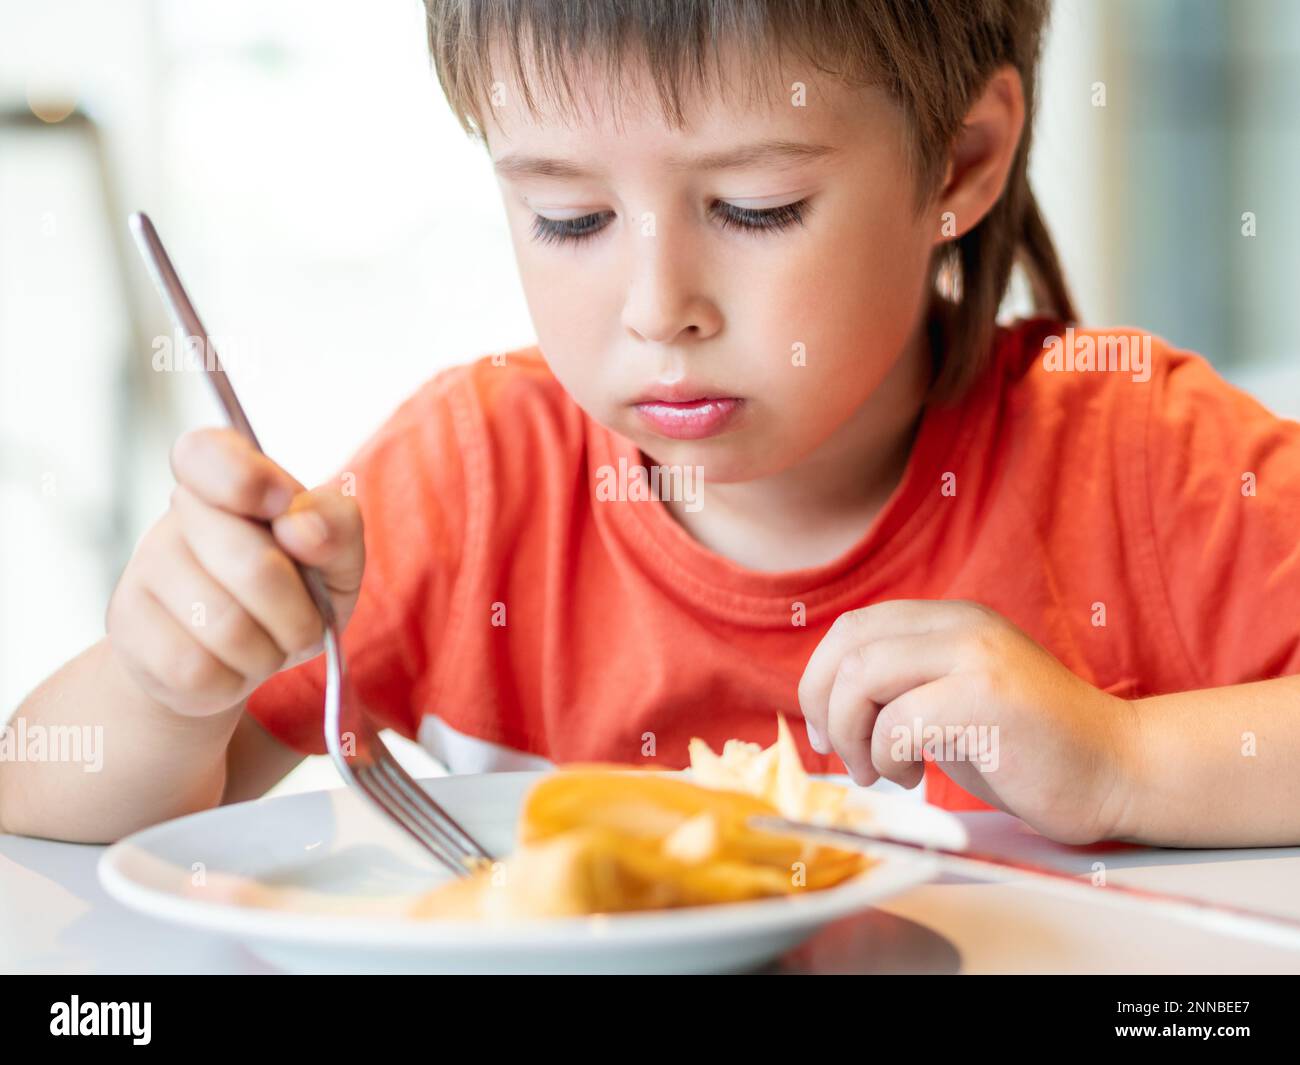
{"x": 159, "y": 764}
{"x": 208, "y": 608}
{"x": 1216, "y": 768}
{"x": 154, "y": 763}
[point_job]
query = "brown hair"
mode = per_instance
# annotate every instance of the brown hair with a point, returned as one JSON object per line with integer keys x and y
{"x": 932, "y": 57}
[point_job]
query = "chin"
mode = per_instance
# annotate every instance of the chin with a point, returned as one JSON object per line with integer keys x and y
{"x": 724, "y": 460}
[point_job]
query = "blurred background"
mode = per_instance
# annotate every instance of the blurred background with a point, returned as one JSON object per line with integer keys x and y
{"x": 344, "y": 240}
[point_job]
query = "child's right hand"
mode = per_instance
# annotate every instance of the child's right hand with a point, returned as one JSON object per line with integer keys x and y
{"x": 210, "y": 604}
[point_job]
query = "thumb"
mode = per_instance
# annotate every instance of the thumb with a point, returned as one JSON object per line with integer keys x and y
{"x": 322, "y": 528}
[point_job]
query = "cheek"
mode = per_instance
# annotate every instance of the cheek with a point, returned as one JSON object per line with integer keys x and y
{"x": 572, "y": 302}
{"x": 570, "y": 306}
{"x": 556, "y": 279}
{"x": 851, "y": 303}
{"x": 873, "y": 269}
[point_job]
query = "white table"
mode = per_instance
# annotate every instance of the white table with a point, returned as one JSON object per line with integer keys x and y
{"x": 55, "y": 918}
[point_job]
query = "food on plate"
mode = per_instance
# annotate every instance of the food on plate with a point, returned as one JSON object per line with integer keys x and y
{"x": 605, "y": 838}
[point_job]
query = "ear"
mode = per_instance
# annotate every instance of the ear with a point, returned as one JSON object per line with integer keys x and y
{"x": 982, "y": 153}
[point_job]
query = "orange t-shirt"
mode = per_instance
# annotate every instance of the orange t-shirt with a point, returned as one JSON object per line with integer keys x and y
{"x": 510, "y": 618}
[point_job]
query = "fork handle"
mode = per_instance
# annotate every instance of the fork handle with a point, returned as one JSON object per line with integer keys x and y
{"x": 168, "y": 283}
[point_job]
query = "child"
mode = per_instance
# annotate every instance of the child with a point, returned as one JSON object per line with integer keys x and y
{"x": 771, "y": 454}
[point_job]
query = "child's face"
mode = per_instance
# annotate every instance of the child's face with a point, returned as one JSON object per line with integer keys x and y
{"x": 759, "y": 344}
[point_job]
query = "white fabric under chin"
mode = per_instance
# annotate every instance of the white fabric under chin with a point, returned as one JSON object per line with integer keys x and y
{"x": 462, "y": 753}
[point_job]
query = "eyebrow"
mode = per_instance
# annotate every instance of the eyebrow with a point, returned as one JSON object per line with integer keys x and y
{"x": 772, "y": 152}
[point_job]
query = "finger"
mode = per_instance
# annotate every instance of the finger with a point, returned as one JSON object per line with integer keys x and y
{"x": 171, "y": 666}
{"x": 225, "y": 470}
{"x": 851, "y": 716}
{"x": 935, "y": 719}
{"x": 209, "y": 613}
{"x": 893, "y": 617}
{"x": 323, "y": 528}
{"x": 871, "y": 675}
{"x": 244, "y": 558}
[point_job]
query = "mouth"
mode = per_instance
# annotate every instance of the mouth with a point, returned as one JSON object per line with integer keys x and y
{"x": 686, "y": 413}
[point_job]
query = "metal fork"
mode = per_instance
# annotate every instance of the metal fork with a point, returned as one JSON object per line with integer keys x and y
{"x": 362, "y": 757}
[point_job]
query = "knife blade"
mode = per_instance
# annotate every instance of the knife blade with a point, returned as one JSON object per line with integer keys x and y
{"x": 1272, "y": 928}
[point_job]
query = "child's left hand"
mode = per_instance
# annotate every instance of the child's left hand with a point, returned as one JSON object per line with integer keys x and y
{"x": 1055, "y": 748}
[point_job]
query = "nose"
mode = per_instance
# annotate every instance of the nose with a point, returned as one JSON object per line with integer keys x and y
{"x": 666, "y": 300}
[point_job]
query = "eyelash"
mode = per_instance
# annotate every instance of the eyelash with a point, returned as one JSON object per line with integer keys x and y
{"x": 575, "y": 230}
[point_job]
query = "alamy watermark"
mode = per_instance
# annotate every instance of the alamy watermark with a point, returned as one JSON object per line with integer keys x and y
{"x": 946, "y": 743}
{"x": 84, "y": 744}
{"x": 641, "y": 484}
{"x": 128, "y": 1019}
{"x": 1109, "y": 352}
{"x": 176, "y": 352}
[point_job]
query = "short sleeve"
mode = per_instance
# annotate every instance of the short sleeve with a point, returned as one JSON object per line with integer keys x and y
{"x": 1223, "y": 487}
{"x": 409, "y": 483}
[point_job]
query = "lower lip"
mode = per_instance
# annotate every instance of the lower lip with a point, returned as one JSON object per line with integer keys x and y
{"x": 693, "y": 420}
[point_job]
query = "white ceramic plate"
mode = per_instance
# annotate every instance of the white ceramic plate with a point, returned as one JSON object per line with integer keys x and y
{"x": 317, "y": 882}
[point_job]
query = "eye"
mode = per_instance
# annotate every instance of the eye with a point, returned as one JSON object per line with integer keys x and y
{"x": 563, "y": 230}
{"x": 782, "y": 217}
{"x": 560, "y": 230}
